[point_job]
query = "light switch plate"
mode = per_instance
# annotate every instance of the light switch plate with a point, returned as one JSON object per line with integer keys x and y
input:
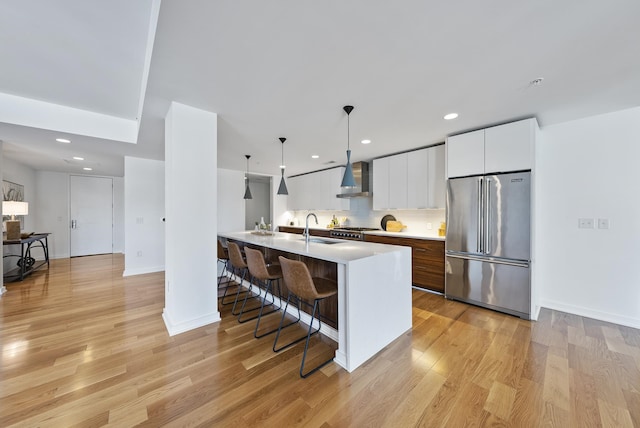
{"x": 603, "y": 223}
{"x": 585, "y": 223}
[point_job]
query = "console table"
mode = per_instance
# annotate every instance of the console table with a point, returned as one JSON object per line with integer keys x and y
{"x": 26, "y": 263}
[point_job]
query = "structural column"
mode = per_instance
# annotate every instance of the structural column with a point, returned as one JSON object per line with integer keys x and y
{"x": 191, "y": 218}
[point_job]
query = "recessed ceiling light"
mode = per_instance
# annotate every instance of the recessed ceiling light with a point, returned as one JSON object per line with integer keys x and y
{"x": 63, "y": 140}
{"x": 314, "y": 156}
{"x": 78, "y": 158}
{"x": 87, "y": 169}
{"x": 450, "y": 116}
{"x": 366, "y": 141}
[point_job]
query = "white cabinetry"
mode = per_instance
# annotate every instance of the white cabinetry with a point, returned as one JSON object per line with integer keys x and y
{"x": 398, "y": 181}
{"x": 436, "y": 178}
{"x": 295, "y": 191}
{"x": 335, "y": 180}
{"x": 501, "y": 148}
{"x": 418, "y": 178}
{"x": 465, "y": 154}
{"x": 412, "y": 180}
{"x": 509, "y": 147}
{"x": 316, "y": 191}
{"x": 381, "y": 184}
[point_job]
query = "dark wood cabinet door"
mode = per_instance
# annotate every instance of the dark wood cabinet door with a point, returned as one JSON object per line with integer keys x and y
{"x": 427, "y": 259}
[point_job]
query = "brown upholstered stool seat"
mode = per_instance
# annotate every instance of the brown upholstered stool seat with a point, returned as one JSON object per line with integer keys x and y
{"x": 238, "y": 266}
{"x": 260, "y": 272}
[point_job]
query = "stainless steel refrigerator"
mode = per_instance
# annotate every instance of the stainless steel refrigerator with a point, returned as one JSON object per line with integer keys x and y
{"x": 488, "y": 245}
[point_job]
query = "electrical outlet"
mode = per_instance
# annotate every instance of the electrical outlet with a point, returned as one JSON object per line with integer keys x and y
{"x": 139, "y": 220}
{"x": 585, "y": 223}
{"x": 429, "y": 226}
{"x": 139, "y": 253}
{"x": 603, "y": 223}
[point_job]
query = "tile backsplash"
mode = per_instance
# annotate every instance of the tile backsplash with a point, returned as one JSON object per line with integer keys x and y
{"x": 361, "y": 214}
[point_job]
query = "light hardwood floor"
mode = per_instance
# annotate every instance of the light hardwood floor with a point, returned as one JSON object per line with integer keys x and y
{"x": 82, "y": 346}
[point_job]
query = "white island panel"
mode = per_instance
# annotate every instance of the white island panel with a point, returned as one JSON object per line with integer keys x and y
{"x": 378, "y": 298}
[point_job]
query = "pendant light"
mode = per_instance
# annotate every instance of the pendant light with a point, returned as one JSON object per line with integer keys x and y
{"x": 282, "y": 190}
{"x": 348, "y": 180}
{"x": 247, "y": 192}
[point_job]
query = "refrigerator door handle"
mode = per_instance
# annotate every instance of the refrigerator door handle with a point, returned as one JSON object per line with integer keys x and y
{"x": 467, "y": 256}
{"x": 487, "y": 217}
{"x": 479, "y": 224}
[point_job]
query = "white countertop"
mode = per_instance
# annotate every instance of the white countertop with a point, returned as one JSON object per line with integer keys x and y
{"x": 343, "y": 251}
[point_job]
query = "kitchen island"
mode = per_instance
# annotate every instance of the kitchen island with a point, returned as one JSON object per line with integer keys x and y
{"x": 374, "y": 289}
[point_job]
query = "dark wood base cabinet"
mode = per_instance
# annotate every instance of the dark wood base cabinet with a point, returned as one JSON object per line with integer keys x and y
{"x": 313, "y": 232}
{"x": 427, "y": 259}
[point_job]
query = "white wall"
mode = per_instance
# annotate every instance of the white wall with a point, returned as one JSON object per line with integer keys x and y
{"x": 143, "y": 214}
{"x": 230, "y": 202}
{"x": 191, "y": 212}
{"x": 588, "y": 168}
{"x": 259, "y": 206}
{"x": 52, "y": 214}
{"x": 279, "y": 215}
{"x": 118, "y": 214}
{"x": 22, "y": 174}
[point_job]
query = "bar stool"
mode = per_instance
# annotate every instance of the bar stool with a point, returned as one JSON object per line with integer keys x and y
{"x": 238, "y": 266}
{"x": 223, "y": 257}
{"x": 267, "y": 274}
{"x": 302, "y": 286}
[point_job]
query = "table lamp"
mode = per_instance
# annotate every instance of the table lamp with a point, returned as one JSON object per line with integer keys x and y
{"x": 14, "y": 208}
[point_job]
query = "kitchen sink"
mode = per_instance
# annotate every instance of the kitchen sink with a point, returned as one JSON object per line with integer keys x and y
{"x": 322, "y": 241}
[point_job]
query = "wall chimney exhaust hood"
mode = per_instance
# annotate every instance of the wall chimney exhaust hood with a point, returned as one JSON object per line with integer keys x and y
{"x": 361, "y": 174}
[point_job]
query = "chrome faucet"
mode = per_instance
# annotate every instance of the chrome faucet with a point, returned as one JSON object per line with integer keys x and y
{"x": 306, "y": 226}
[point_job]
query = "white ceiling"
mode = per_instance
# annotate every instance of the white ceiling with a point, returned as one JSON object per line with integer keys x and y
{"x": 286, "y": 68}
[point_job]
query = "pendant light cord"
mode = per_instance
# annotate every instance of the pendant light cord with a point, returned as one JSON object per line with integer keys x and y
{"x": 348, "y": 132}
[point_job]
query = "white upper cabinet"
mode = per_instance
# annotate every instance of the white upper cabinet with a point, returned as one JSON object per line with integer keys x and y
{"x": 501, "y": 148}
{"x": 380, "y": 184}
{"x": 398, "y": 181}
{"x": 335, "y": 180}
{"x": 465, "y": 154}
{"x": 411, "y": 180}
{"x": 294, "y": 193}
{"x": 437, "y": 179}
{"x": 418, "y": 179}
{"x": 317, "y": 191}
{"x": 330, "y": 180}
{"x": 509, "y": 147}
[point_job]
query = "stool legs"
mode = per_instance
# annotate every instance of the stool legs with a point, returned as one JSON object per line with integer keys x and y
{"x": 244, "y": 303}
{"x": 281, "y": 327}
{"x": 227, "y": 282}
{"x": 239, "y": 291}
{"x": 264, "y": 299}
{"x": 306, "y": 345}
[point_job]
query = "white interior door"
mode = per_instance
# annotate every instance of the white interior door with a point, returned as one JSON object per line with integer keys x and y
{"x": 91, "y": 210}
